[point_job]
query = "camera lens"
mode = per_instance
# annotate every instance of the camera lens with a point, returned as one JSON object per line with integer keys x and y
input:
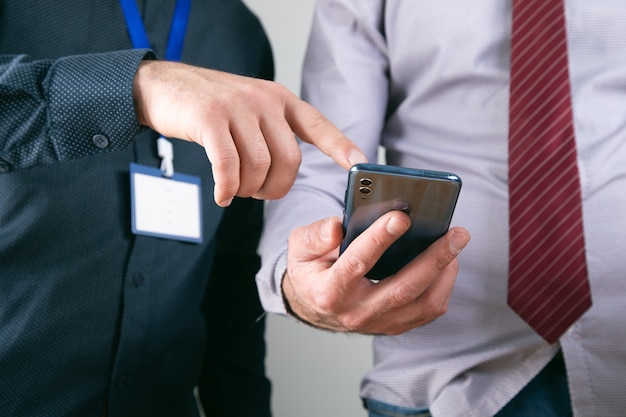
{"x": 365, "y": 190}
{"x": 366, "y": 182}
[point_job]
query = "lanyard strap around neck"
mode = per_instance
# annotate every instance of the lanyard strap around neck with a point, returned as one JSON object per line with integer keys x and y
{"x": 139, "y": 37}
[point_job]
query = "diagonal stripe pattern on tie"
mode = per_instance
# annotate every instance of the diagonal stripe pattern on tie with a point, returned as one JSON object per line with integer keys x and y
{"x": 548, "y": 285}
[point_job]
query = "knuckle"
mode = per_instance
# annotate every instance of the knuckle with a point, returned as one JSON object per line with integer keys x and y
{"x": 258, "y": 91}
{"x": 319, "y": 121}
{"x": 354, "y": 264}
{"x": 326, "y": 303}
{"x": 439, "y": 309}
{"x": 354, "y": 322}
{"x": 443, "y": 308}
{"x": 442, "y": 262}
{"x": 291, "y": 158}
{"x": 275, "y": 87}
{"x": 435, "y": 307}
{"x": 250, "y": 91}
{"x": 382, "y": 307}
{"x": 260, "y": 159}
{"x": 402, "y": 295}
{"x": 227, "y": 160}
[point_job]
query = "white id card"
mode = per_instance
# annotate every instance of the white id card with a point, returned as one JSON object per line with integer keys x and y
{"x": 168, "y": 208}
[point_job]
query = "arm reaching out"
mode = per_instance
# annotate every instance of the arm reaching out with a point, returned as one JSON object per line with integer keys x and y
{"x": 246, "y": 126}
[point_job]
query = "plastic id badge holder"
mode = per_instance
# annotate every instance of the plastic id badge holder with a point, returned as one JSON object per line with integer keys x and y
{"x": 162, "y": 207}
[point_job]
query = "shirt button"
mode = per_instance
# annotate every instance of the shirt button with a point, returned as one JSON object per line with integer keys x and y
{"x": 100, "y": 141}
{"x": 4, "y": 167}
{"x": 121, "y": 382}
{"x": 138, "y": 280}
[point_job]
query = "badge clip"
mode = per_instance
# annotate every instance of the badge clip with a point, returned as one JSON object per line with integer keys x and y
{"x": 166, "y": 151}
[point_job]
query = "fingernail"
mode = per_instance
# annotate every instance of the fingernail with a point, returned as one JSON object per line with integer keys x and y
{"x": 396, "y": 227}
{"x": 356, "y": 157}
{"x": 225, "y": 203}
{"x": 399, "y": 205}
{"x": 458, "y": 242}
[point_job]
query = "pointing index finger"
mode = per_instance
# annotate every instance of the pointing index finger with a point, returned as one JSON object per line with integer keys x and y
{"x": 313, "y": 127}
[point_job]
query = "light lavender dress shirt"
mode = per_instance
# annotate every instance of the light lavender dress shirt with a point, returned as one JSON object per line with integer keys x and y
{"x": 428, "y": 80}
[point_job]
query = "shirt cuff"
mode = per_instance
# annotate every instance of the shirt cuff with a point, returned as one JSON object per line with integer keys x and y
{"x": 269, "y": 282}
{"x": 91, "y": 102}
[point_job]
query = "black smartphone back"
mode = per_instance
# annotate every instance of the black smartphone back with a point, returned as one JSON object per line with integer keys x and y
{"x": 428, "y": 197}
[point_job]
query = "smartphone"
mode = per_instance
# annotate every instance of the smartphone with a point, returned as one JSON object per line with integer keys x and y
{"x": 428, "y": 197}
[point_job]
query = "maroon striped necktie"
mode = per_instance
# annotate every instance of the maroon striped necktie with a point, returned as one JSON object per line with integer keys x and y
{"x": 548, "y": 284}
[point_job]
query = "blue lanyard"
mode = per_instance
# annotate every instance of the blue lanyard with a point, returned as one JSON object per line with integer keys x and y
{"x": 137, "y": 31}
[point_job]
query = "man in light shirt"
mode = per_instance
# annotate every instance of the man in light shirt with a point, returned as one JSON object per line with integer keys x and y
{"x": 428, "y": 81}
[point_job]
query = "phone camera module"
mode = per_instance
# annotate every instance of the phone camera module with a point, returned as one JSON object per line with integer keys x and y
{"x": 364, "y": 191}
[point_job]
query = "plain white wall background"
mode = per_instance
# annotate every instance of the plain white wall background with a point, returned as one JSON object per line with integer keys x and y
{"x": 313, "y": 373}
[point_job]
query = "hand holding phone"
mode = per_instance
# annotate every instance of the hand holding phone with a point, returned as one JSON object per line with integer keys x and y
{"x": 428, "y": 197}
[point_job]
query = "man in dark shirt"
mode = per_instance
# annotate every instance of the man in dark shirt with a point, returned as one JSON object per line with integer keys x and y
{"x": 93, "y": 317}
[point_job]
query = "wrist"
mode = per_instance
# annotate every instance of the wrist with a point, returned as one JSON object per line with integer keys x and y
{"x": 287, "y": 290}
